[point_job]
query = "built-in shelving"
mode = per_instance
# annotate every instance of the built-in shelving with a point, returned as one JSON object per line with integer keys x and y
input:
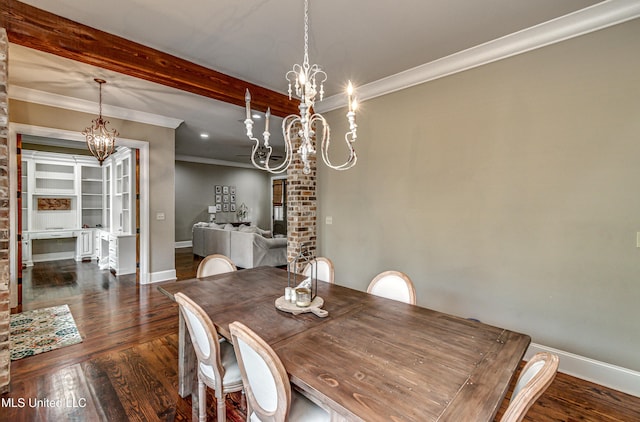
{"x": 92, "y": 196}
{"x": 54, "y": 179}
{"x": 71, "y": 196}
{"x": 25, "y": 195}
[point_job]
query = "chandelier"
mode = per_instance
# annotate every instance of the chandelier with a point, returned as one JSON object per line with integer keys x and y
{"x": 308, "y": 81}
{"x": 100, "y": 140}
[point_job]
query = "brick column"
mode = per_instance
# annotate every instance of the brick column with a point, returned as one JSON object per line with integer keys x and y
{"x": 4, "y": 214}
{"x": 301, "y": 207}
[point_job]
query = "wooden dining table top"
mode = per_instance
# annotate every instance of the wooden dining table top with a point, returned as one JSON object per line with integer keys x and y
{"x": 371, "y": 358}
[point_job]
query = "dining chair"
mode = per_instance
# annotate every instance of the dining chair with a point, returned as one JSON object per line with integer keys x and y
{"x": 536, "y": 376}
{"x": 217, "y": 364}
{"x": 325, "y": 269}
{"x": 215, "y": 264}
{"x": 394, "y": 285}
{"x": 269, "y": 394}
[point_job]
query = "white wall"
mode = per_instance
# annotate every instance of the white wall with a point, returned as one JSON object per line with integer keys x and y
{"x": 508, "y": 193}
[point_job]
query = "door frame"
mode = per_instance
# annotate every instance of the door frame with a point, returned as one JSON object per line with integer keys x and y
{"x": 271, "y": 200}
{"x": 23, "y": 129}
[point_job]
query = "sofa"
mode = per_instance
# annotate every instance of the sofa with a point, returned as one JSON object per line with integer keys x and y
{"x": 246, "y": 246}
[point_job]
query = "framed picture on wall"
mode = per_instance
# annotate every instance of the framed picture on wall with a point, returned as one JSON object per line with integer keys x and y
{"x": 218, "y": 207}
{"x": 225, "y": 199}
{"x": 232, "y": 190}
{"x": 225, "y": 207}
{"x": 218, "y": 199}
{"x": 232, "y": 198}
{"x": 218, "y": 189}
{"x": 225, "y": 190}
{"x": 232, "y": 208}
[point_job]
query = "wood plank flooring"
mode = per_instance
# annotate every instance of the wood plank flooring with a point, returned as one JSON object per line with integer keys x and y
{"x": 126, "y": 367}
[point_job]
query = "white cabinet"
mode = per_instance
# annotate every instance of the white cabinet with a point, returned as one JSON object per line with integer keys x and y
{"x": 122, "y": 254}
{"x": 84, "y": 245}
{"x": 122, "y": 204}
{"x": 26, "y": 250}
{"x": 117, "y": 252}
{"x": 71, "y": 196}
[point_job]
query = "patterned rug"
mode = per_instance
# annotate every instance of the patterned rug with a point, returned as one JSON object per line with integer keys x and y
{"x": 42, "y": 330}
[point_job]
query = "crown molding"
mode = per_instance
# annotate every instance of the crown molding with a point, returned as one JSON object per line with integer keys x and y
{"x": 581, "y": 22}
{"x": 205, "y": 160}
{"x": 55, "y": 100}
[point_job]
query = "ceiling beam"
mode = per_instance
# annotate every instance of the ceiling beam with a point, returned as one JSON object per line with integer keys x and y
{"x": 35, "y": 28}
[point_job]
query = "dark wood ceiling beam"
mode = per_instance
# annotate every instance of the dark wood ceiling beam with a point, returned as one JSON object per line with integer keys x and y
{"x": 35, "y": 28}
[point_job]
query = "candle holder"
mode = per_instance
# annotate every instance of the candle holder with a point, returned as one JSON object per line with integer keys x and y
{"x": 298, "y": 284}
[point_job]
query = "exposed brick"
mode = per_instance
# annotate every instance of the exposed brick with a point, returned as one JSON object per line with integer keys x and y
{"x": 4, "y": 222}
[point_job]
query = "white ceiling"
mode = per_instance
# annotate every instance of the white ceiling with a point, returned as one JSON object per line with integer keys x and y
{"x": 366, "y": 41}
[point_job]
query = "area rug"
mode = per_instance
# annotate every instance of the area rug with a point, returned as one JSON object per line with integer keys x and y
{"x": 42, "y": 330}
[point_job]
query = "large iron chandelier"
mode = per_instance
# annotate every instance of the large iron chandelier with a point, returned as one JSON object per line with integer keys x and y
{"x": 100, "y": 140}
{"x": 308, "y": 81}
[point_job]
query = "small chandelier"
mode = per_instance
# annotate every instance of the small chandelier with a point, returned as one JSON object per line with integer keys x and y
{"x": 308, "y": 81}
{"x": 100, "y": 140}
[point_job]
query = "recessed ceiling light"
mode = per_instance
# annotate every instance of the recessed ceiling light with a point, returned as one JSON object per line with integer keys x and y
{"x": 204, "y": 135}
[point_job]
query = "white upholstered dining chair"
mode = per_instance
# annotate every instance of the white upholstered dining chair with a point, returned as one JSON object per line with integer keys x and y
{"x": 325, "y": 269}
{"x": 394, "y": 285}
{"x": 217, "y": 364}
{"x": 215, "y": 264}
{"x": 536, "y": 376}
{"x": 266, "y": 383}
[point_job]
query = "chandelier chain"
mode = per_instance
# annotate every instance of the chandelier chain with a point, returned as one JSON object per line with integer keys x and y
{"x": 310, "y": 130}
{"x": 305, "y": 62}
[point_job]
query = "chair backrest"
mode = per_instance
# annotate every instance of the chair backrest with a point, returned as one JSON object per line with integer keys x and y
{"x": 204, "y": 336}
{"x": 215, "y": 264}
{"x": 264, "y": 377}
{"x": 535, "y": 378}
{"x": 325, "y": 269}
{"x": 394, "y": 285}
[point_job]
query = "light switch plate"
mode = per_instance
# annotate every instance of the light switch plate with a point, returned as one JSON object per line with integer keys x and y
{"x": 160, "y": 216}
{"x": 329, "y": 220}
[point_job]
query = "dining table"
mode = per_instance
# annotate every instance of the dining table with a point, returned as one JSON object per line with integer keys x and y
{"x": 371, "y": 358}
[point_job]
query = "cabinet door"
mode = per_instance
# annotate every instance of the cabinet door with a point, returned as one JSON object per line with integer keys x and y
{"x": 86, "y": 243}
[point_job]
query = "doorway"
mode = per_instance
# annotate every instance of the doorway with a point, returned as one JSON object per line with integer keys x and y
{"x": 279, "y": 206}
{"x": 140, "y": 202}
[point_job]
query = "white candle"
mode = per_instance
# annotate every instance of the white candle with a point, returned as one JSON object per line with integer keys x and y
{"x": 266, "y": 123}
{"x": 247, "y": 100}
{"x": 349, "y": 95}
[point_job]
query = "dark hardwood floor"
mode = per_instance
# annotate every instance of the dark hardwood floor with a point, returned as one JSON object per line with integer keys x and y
{"x": 126, "y": 367}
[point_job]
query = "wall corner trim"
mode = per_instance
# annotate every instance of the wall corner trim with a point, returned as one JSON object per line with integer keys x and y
{"x": 606, "y": 374}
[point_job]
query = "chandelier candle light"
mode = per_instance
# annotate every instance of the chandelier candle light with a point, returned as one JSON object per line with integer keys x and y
{"x": 100, "y": 140}
{"x": 307, "y": 79}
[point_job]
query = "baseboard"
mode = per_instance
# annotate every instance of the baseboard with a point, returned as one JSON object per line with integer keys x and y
{"x": 169, "y": 275}
{"x": 53, "y": 256}
{"x": 184, "y": 244}
{"x": 611, "y": 376}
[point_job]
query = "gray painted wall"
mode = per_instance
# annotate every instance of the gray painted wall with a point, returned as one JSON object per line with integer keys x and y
{"x": 509, "y": 193}
{"x": 195, "y": 184}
